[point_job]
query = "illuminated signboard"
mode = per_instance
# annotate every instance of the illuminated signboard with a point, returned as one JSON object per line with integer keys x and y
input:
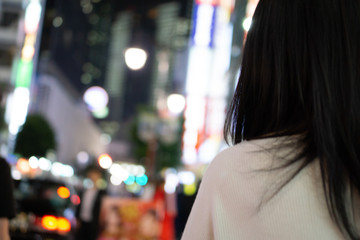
{"x": 227, "y": 4}
{"x": 24, "y": 68}
{"x": 24, "y": 73}
{"x": 210, "y": 2}
{"x": 204, "y": 21}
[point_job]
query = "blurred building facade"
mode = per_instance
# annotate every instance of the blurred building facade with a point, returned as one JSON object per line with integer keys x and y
{"x": 11, "y": 12}
{"x": 59, "y": 102}
{"x": 162, "y": 31}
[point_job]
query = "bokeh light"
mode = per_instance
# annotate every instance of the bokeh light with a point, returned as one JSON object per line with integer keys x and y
{"x": 49, "y": 222}
{"x": 135, "y": 58}
{"x": 63, "y": 224}
{"x": 130, "y": 180}
{"x": 105, "y": 161}
{"x": 96, "y": 98}
{"x": 134, "y": 188}
{"x": 176, "y": 103}
{"x": 44, "y": 164}
{"x": 247, "y": 23}
{"x": 141, "y": 180}
{"x": 75, "y": 199}
{"x": 115, "y": 180}
{"x": 63, "y": 192}
{"x": 23, "y": 166}
{"x": 34, "y": 162}
{"x": 190, "y": 189}
{"x": 82, "y": 157}
{"x": 186, "y": 177}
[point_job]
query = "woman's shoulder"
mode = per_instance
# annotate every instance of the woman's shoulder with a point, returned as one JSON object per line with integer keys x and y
{"x": 248, "y": 154}
{"x": 249, "y": 162}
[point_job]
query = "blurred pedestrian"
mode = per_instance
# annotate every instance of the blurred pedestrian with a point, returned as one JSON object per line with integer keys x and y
{"x": 295, "y": 122}
{"x": 88, "y": 211}
{"x": 7, "y": 202}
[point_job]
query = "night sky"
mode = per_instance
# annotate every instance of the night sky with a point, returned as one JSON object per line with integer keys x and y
{"x": 69, "y": 46}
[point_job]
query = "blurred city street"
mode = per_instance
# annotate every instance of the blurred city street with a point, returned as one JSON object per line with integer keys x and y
{"x": 111, "y": 111}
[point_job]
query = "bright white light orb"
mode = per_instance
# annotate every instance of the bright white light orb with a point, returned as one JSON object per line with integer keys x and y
{"x": 15, "y": 174}
{"x": 171, "y": 182}
{"x": 176, "y": 103}
{"x": 105, "y": 161}
{"x": 119, "y": 171}
{"x": 247, "y": 23}
{"x": 186, "y": 177}
{"x": 96, "y": 98}
{"x": 138, "y": 170}
{"x": 32, "y": 16}
{"x": 19, "y": 108}
{"x": 115, "y": 180}
{"x": 45, "y": 164}
{"x": 34, "y": 162}
{"x": 135, "y": 58}
{"x": 68, "y": 171}
{"x": 57, "y": 169}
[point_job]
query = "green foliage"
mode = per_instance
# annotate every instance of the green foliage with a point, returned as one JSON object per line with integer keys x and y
{"x": 167, "y": 154}
{"x": 36, "y": 137}
{"x": 139, "y": 147}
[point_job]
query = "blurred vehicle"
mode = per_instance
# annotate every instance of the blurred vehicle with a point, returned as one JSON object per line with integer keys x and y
{"x": 45, "y": 210}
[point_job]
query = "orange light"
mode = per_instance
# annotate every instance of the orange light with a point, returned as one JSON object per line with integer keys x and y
{"x": 63, "y": 192}
{"x": 63, "y": 225}
{"x": 49, "y": 222}
{"x": 27, "y": 52}
{"x": 23, "y": 165}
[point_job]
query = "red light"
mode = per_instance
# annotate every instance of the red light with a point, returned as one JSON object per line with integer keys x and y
{"x": 49, "y": 222}
{"x": 63, "y": 192}
{"x": 75, "y": 199}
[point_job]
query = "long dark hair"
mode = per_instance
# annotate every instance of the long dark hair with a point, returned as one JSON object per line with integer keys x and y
{"x": 300, "y": 75}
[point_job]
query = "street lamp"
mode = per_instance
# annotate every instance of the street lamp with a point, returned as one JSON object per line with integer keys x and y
{"x": 135, "y": 58}
{"x": 175, "y": 103}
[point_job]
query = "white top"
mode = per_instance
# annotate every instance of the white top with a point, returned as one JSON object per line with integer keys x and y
{"x": 233, "y": 199}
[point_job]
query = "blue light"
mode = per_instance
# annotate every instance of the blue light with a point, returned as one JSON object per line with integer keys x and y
{"x": 130, "y": 180}
{"x": 142, "y": 180}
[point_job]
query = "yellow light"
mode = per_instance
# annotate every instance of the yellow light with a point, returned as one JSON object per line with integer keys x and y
{"x": 49, "y": 222}
{"x": 30, "y": 39}
{"x": 27, "y": 52}
{"x": 190, "y": 189}
{"x": 63, "y": 192}
{"x": 63, "y": 225}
